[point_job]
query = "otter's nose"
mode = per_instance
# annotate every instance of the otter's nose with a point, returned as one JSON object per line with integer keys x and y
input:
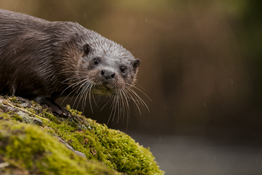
{"x": 107, "y": 74}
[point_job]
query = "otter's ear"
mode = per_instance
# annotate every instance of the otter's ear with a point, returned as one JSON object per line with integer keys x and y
{"x": 136, "y": 63}
{"x": 87, "y": 48}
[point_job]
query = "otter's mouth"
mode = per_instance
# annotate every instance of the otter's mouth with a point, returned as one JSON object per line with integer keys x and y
{"x": 103, "y": 90}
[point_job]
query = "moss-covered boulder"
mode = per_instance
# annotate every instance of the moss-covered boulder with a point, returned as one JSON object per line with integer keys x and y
{"x": 34, "y": 141}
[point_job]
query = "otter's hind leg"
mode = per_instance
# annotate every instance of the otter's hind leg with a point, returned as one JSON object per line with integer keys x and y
{"x": 49, "y": 102}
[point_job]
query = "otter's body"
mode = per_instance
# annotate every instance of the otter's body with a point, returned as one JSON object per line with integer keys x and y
{"x": 41, "y": 60}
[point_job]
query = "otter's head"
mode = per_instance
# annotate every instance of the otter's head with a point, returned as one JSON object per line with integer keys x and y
{"x": 101, "y": 66}
{"x": 106, "y": 65}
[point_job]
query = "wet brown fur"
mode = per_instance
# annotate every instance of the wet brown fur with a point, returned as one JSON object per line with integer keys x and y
{"x": 42, "y": 60}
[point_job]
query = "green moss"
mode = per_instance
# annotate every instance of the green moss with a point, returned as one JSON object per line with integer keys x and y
{"x": 4, "y": 116}
{"x": 73, "y": 111}
{"x": 16, "y": 117}
{"x": 124, "y": 153}
{"x": 50, "y": 116}
{"x": 112, "y": 148}
{"x": 29, "y": 148}
{"x": 13, "y": 99}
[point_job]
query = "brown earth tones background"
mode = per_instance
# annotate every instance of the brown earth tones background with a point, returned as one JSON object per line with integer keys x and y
{"x": 201, "y": 66}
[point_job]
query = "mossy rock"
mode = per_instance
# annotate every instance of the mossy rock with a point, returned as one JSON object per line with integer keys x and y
{"x": 34, "y": 141}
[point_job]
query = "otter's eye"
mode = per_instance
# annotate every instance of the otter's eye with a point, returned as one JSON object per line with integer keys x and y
{"x": 122, "y": 68}
{"x": 96, "y": 61}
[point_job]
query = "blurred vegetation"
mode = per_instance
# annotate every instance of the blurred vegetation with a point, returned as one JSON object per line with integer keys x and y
{"x": 201, "y": 60}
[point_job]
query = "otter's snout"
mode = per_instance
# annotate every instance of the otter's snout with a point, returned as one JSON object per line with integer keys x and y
{"x": 107, "y": 74}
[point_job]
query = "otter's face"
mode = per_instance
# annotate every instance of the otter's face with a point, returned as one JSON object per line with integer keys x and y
{"x": 108, "y": 72}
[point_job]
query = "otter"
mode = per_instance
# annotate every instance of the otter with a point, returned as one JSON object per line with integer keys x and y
{"x": 42, "y": 60}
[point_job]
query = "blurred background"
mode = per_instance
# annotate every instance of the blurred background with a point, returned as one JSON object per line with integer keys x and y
{"x": 201, "y": 65}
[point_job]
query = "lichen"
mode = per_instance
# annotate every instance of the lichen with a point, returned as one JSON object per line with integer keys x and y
{"x": 40, "y": 151}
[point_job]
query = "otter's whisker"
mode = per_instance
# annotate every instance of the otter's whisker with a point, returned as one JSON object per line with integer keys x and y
{"x": 72, "y": 85}
{"x": 133, "y": 86}
{"x": 108, "y": 100}
{"x": 82, "y": 89}
{"x": 125, "y": 97}
{"x": 90, "y": 100}
{"x": 99, "y": 99}
{"x": 112, "y": 109}
{"x": 95, "y": 100}
{"x": 125, "y": 103}
{"x": 139, "y": 98}
{"x": 118, "y": 108}
{"x": 86, "y": 93}
{"x": 79, "y": 96}
{"x": 135, "y": 101}
{"x": 83, "y": 94}
{"x": 123, "y": 107}
{"x": 74, "y": 90}
{"x": 115, "y": 107}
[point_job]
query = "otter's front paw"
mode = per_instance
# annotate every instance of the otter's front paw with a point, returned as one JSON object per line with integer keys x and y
{"x": 55, "y": 108}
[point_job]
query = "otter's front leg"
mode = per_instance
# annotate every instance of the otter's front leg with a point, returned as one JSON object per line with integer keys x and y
{"x": 50, "y": 103}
